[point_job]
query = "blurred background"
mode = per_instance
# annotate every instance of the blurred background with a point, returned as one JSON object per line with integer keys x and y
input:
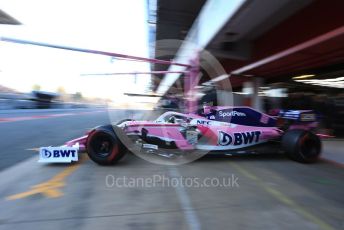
{"x": 266, "y": 54}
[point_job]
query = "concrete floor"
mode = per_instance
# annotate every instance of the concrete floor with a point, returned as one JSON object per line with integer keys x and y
{"x": 271, "y": 192}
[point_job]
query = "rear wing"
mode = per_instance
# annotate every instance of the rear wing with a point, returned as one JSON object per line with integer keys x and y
{"x": 299, "y": 115}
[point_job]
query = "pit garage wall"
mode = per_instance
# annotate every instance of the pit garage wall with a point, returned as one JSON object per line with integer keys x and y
{"x": 246, "y": 100}
{"x": 227, "y": 96}
{"x": 248, "y": 97}
{"x": 251, "y": 94}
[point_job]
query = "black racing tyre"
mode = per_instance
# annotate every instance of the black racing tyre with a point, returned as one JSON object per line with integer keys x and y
{"x": 103, "y": 147}
{"x": 302, "y": 146}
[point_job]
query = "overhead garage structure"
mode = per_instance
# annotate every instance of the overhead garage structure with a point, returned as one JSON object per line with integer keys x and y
{"x": 267, "y": 40}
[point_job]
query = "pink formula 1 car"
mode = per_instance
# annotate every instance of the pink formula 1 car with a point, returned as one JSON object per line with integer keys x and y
{"x": 229, "y": 130}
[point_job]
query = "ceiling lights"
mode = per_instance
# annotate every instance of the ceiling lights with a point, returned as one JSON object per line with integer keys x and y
{"x": 332, "y": 82}
{"x": 303, "y": 76}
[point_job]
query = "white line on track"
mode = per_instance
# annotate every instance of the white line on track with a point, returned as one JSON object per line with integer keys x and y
{"x": 184, "y": 200}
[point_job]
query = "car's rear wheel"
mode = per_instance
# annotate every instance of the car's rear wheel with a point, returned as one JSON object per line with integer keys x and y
{"x": 103, "y": 147}
{"x": 302, "y": 146}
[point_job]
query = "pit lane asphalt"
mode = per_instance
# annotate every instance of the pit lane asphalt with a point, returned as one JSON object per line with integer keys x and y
{"x": 273, "y": 192}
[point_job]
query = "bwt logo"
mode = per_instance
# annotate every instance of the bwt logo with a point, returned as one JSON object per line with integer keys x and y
{"x": 243, "y": 138}
{"x": 46, "y": 153}
{"x": 224, "y": 138}
{"x": 232, "y": 114}
{"x": 58, "y": 153}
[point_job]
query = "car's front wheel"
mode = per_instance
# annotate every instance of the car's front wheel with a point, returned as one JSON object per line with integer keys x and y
{"x": 103, "y": 147}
